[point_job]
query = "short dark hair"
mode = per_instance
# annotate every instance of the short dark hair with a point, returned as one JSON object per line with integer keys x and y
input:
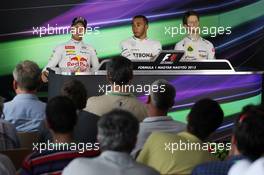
{"x": 27, "y": 75}
{"x": 145, "y": 19}
{"x": 61, "y": 114}
{"x": 249, "y": 133}
{"x": 188, "y": 14}
{"x": 163, "y": 99}
{"x": 117, "y": 131}
{"x": 119, "y": 70}
{"x": 204, "y": 118}
{"x": 79, "y": 19}
{"x": 76, "y": 91}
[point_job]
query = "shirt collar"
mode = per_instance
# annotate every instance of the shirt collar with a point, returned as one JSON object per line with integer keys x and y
{"x": 120, "y": 94}
{"x": 190, "y": 38}
{"x": 116, "y": 156}
{"x": 157, "y": 119}
{"x": 141, "y": 40}
{"x": 26, "y": 96}
{"x": 76, "y": 42}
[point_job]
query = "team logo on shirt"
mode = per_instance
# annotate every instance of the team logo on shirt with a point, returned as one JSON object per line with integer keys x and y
{"x": 78, "y": 63}
{"x": 70, "y": 52}
{"x": 189, "y": 49}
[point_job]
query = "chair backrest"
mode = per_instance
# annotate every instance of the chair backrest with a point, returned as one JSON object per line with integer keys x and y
{"x": 27, "y": 139}
{"x": 17, "y": 155}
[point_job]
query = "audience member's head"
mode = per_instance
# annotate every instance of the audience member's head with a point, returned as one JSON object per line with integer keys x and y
{"x": 249, "y": 133}
{"x": 27, "y": 76}
{"x": 117, "y": 131}
{"x": 119, "y": 70}
{"x": 204, "y": 118}
{"x": 61, "y": 115}
{"x": 76, "y": 91}
{"x": 162, "y": 95}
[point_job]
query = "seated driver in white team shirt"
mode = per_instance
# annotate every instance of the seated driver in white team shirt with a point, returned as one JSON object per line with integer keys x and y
{"x": 195, "y": 47}
{"x": 74, "y": 55}
{"x": 139, "y": 47}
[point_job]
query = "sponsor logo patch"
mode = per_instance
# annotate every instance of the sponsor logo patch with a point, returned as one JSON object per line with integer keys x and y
{"x": 189, "y": 49}
{"x": 69, "y": 47}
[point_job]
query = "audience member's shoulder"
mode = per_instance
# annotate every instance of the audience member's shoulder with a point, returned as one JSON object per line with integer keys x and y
{"x": 75, "y": 166}
{"x": 7, "y": 104}
{"x": 6, "y": 123}
{"x": 83, "y": 113}
{"x": 159, "y": 136}
{"x": 95, "y": 99}
{"x": 4, "y": 159}
{"x": 239, "y": 167}
{"x": 206, "y": 167}
{"x": 6, "y": 166}
{"x": 256, "y": 167}
{"x": 144, "y": 170}
{"x": 42, "y": 103}
{"x": 35, "y": 154}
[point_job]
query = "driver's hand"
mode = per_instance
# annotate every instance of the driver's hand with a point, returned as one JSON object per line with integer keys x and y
{"x": 44, "y": 76}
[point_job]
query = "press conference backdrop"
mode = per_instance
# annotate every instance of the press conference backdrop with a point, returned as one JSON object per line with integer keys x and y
{"x": 26, "y": 33}
{"x": 24, "y": 24}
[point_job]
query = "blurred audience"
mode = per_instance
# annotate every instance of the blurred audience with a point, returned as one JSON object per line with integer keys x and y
{"x": 61, "y": 118}
{"x": 8, "y": 134}
{"x": 119, "y": 75}
{"x": 117, "y": 135}
{"x": 180, "y": 153}
{"x": 248, "y": 139}
{"x": 85, "y": 130}
{"x": 222, "y": 167}
{"x": 160, "y": 100}
{"x": 25, "y": 111}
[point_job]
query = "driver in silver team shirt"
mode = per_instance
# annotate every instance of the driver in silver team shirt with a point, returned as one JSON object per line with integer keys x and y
{"x": 139, "y": 47}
